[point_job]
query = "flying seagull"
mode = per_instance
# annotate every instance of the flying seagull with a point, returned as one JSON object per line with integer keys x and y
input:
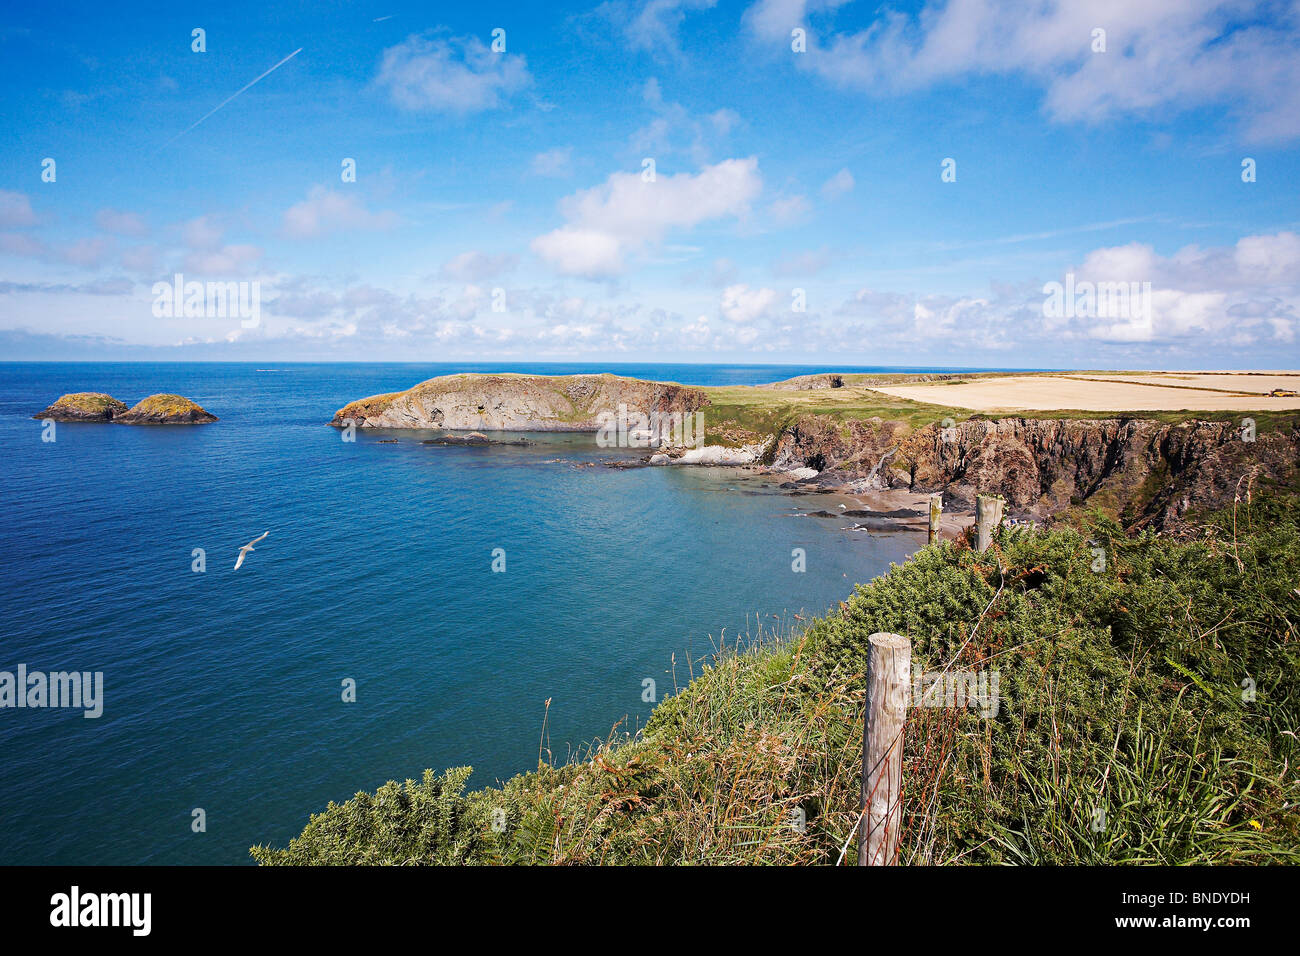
{"x": 243, "y": 552}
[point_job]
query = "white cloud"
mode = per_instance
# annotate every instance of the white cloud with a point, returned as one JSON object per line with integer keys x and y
{"x": 655, "y": 25}
{"x": 17, "y": 244}
{"x": 651, "y": 25}
{"x": 581, "y": 252}
{"x": 554, "y": 162}
{"x": 741, "y": 304}
{"x": 1249, "y": 292}
{"x": 477, "y": 266}
{"x": 789, "y": 210}
{"x": 140, "y": 259}
{"x": 83, "y": 253}
{"x": 1269, "y": 258}
{"x": 121, "y": 223}
{"x": 722, "y": 272}
{"x": 1161, "y": 55}
{"x": 626, "y": 212}
{"x": 774, "y": 19}
{"x": 839, "y": 184}
{"x": 223, "y": 261}
{"x": 119, "y": 286}
{"x": 202, "y": 233}
{"x": 87, "y": 253}
{"x": 1203, "y": 301}
{"x": 803, "y": 263}
{"x": 326, "y": 210}
{"x": 458, "y": 75}
{"x": 15, "y": 210}
{"x": 676, "y": 130}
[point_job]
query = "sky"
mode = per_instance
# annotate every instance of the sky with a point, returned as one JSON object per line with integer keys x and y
{"x": 776, "y": 181}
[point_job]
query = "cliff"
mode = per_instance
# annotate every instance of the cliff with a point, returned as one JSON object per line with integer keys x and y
{"x": 1147, "y": 471}
{"x": 473, "y": 402}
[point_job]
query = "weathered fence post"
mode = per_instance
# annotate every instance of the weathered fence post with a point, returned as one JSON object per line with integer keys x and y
{"x": 889, "y": 679}
{"x": 988, "y": 515}
{"x": 936, "y": 509}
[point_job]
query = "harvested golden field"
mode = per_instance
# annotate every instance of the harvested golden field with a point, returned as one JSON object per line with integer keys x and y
{"x": 1111, "y": 391}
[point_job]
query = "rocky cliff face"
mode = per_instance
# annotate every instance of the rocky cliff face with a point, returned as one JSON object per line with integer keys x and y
{"x": 518, "y": 403}
{"x": 1147, "y": 471}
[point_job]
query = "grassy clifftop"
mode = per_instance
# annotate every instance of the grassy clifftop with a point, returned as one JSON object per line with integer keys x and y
{"x": 1122, "y": 735}
{"x": 743, "y": 413}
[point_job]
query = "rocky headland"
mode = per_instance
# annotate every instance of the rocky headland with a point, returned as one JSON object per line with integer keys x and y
{"x": 540, "y": 403}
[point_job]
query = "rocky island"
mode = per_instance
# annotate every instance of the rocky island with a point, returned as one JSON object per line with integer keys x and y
{"x": 83, "y": 407}
{"x": 161, "y": 409}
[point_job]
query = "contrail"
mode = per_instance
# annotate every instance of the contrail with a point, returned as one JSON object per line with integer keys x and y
{"x": 231, "y": 97}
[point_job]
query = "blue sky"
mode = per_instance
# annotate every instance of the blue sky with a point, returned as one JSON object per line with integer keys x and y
{"x": 500, "y": 209}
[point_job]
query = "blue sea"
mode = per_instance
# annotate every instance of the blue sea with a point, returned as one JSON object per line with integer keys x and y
{"x": 223, "y": 689}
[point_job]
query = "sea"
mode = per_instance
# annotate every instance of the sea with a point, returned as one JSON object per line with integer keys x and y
{"x": 412, "y": 606}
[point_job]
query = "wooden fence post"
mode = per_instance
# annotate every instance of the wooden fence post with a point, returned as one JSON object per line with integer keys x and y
{"x": 988, "y": 515}
{"x": 936, "y": 509}
{"x": 889, "y": 679}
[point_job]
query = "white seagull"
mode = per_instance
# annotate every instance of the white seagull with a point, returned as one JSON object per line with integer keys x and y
{"x": 243, "y": 552}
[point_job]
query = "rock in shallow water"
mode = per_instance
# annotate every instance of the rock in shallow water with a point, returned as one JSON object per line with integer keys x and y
{"x": 473, "y": 438}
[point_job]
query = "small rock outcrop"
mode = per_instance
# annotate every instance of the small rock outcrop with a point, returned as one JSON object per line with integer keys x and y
{"x": 165, "y": 409}
{"x": 802, "y": 383}
{"x": 83, "y": 407}
{"x": 473, "y": 438}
